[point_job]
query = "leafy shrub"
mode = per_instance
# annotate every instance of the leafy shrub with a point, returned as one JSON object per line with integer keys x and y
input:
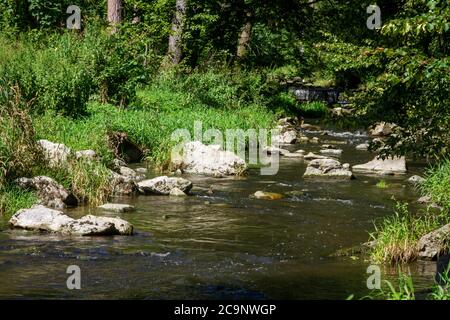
{"x": 437, "y": 184}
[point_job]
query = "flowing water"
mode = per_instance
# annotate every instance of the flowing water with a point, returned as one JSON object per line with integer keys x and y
{"x": 221, "y": 245}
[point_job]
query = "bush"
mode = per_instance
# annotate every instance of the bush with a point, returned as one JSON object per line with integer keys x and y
{"x": 13, "y": 199}
{"x": 313, "y": 109}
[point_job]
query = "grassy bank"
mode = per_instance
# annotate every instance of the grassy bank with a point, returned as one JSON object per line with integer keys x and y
{"x": 397, "y": 235}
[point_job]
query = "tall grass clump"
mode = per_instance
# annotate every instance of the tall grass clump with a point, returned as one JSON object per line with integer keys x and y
{"x": 396, "y": 236}
{"x": 437, "y": 184}
{"x": 13, "y": 199}
{"x": 315, "y": 109}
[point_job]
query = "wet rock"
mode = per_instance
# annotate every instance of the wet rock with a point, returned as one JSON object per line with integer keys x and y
{"x": 210, "y": 160}
{"x": 117, "y": 207}
{"x": 40, "y": 218}
{"x": 88, "y": 155}
{"x": 44, "y": 219}
{"x": 332, "y": 152}
{"x": 362, "y": 147}
{"x": 286, "y": 137}
{"x": 415, "y": 180}
{"x": 288, "y": 122}
{"x": 164, "y": 185}
{"x": 98, "y": 226}
{"x": 175, "y": 192}
{"x": 310, "y": 127}
{"x": 49, "y": 192}
{"x": 382, "y": 129}
{"x": 130, "y": 173}
{"x": 328, "y": 168}
{"x": 267, "y": 195}
{"x": 122, "y": 185}
{"x": 435, "y": 243}
{"x": 56, "y": 154}
{"x": 389, "y": 166}
{"x": 313, "y": 156}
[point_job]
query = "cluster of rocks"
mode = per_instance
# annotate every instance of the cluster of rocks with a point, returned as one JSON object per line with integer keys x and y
{"x": 41, "y": 218}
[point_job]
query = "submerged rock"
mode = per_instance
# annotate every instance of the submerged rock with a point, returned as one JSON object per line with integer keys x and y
{"x": 41, "y": 218}
{"x": 55, "y": 154}
{"x": 388, "y": 166}
{"x": 435, "y": 243}
{"x": 209, "y": 160}
{"x": 117, "y": 207}
{"x": 328, "y": 168}
{"x": 49, "y": 192}
{"x": 267, "y": 195}
{"x": 164, "y": 185}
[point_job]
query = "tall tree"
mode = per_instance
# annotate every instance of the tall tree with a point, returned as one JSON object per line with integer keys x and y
{"x": 114, "y": 12}
{"x": 244, "y": 35}
{"x": 175, "y": 38}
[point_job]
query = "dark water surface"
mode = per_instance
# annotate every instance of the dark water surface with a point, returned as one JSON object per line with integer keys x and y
{"x": 221, "y": 245}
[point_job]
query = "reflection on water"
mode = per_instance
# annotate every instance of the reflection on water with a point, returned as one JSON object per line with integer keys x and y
{"x": 218, "y": 245}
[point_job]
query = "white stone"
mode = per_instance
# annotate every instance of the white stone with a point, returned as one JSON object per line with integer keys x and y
{"x": 395, "y": 165}
{"x": 164, "y": 185}
{"x": 328, "y": 168}
{"x": 56, "y": 154}
{"x": 117, "y": 207}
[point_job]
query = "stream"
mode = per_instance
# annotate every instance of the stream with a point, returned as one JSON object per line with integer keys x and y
{"x": 224, "y": 244}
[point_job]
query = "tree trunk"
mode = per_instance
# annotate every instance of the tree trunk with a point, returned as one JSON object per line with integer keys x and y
{"x": 175, "y": 38}
{"x": 244, "y": 37}
{"x": 114, "y": 13}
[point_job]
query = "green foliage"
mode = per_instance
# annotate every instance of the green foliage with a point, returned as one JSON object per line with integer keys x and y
{"x": 313, "y": 109}
{"x": 13, "y": 199}
{"x": 382, "y": 184}
{"x": 437, "y": 184}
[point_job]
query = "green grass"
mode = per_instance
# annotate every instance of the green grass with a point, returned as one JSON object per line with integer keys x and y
{"x": 13, "y": 199}
{"x": 382, "y": 184}
{"x": 437, "y": 184}
{"x": 397, "y": 235}
{"x": 314, "y": 109}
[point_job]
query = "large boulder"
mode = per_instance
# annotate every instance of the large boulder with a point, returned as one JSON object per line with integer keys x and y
{"x": 164, "y": 185}
{"x": 40, "y": 218}
{"x": 209, "y": 160}
{"x": 328, "y": 168}
{"x": 435, "y": 243}
{"x": 388, "y": 166}
{"x": 55, "y": 154}
{"x": 49, "y": 192}
{"x": 313, "y": 156}
{"x": 382, "y": 129}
